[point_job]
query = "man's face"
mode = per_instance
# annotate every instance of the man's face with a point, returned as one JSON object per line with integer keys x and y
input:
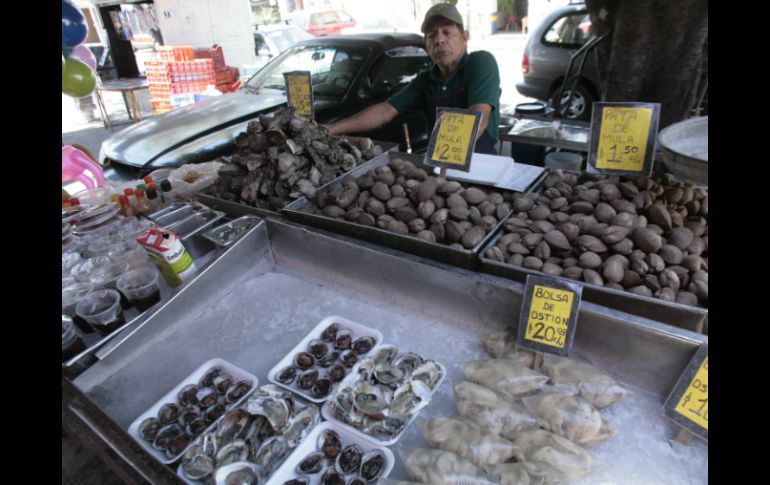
{"x": 445, "y": 43}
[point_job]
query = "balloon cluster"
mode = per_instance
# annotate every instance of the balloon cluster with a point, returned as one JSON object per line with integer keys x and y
{"x": 77, "y": 62}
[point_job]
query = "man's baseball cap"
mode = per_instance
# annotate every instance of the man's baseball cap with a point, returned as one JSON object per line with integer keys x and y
{"x": 446, "y": 10}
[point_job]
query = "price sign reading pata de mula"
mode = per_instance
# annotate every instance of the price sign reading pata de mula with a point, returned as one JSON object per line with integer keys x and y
{"x": 623, "y": 138}
{"x": 299, "y": 92}
{"x": 549, "y": 315}
{"x": 453, "y": 139}
{"x": 688, "y": 403}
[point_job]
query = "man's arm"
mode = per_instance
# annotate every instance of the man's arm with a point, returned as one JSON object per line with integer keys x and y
{"x": 486, "y": 110}
{"x": 368, "y": 119}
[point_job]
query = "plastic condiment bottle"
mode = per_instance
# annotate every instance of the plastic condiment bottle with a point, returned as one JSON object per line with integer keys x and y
{"x": 153, "y": 199}
{"x": 125, "y": 207}
{"x": 65, "y": 202}
{"x": 115, "y": 200}
{"x": 75, "y": 201}
{"x": 130, "y": 197}
{"x": 148, "y": 180}
{"x": 142, "y": 206}
{"x": 166, "y": 192}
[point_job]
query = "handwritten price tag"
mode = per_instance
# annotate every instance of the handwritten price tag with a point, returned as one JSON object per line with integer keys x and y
{"x": 299, "y": 92}
{"x": 549, "y": 315}
{"x": 453, "y": 139}
{"x": 688, "y": 403}
{"x": 623, "y": 137}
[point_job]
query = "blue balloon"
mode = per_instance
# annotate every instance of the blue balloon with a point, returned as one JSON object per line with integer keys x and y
{"x": 74, "y": 29}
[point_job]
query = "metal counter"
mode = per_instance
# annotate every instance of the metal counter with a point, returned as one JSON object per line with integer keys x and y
{"x": 270, "y": 288}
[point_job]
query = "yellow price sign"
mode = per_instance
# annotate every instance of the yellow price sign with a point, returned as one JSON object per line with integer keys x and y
{"x": 623, "y": 136}
{"x": 688, "y": 403}
{"x": 299, "y": 92}
{"x": 694, "y": 403}
{"x": 548, "y": 315}
{"x": 453, "y": 139}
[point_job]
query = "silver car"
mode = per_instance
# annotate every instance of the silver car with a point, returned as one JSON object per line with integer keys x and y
{"x": 547, "y": 56}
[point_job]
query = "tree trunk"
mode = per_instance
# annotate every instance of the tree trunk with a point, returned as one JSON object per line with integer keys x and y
{"x": 654, "y": 53}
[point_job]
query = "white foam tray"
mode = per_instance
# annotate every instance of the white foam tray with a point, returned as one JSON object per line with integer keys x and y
{"x": 350, "y": 380}
{"x": 237, "y": 373}
{"x": 356, "y": 329}
{"x": 287, "y": 471}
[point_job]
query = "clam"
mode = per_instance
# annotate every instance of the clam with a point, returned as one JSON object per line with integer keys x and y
{"x": 312, "y": 463}
{"x": 168, "y": 413}
{"x": 207, "y": 396}
{"x": 208, "y": 376}
{"x": 318, "y": 348}
{"x": 363, "y": 345}
{"x": 329, "y": 358}
{"x": 344, "y": 339}
{"x": 349, "y": 460}
{"x": 222, "y": 383}
{"x": 214, "y": 412}
{"x": 372, "y": 465}
{"x": 321, "y": 387}
{"x": 187, "y": 395}
{"x": 166, "y": 436}
{"x": 330, "y": 332}
{"x": 148, "y": 429}
{"x": 307, "y": 379}
{"x": 287, "y": 375}
{"x": 330, "y": 443}
{"x": 349, "y": 358}
{"x": 237, "y": 391}
{"x": 304, "y": 360}
{"x": 331, "y": 477}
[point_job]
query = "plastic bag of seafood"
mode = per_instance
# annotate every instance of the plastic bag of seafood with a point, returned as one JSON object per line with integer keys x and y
{"x": 592, "y": 384}
{"x": 168, "y": 428}
{"x": 539, "y": 445}
{"x": 508, "y": 377}
{"x": 502, "y": 345}
{"x": 441, "y": 467}
{"x": 332, "y": 454}
{"x": 263, "y": 431}
{"x": 571, "y": 417}
{"x": 491, "y": 410}
{"x": 384, "y": 393}
{"x": 322, "y": 359}
{"x": 525, "y": 473}
{"x": 472, "y": 442}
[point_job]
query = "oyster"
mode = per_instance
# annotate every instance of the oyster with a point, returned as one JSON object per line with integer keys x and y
{"x": 208, "y": 377}
{"x": 330, "y": 333}
{"x": 237, "y": 391}
{"x": 349, "y": 358}
{"x": 300, "y": 425}
{"x": 270, "y": 452}
{"x": 148, "y": 429}
{"x": 330, "y": 444}
{"x": 349, "y": 460}
{"x": 287, "y": 375}
{"x": 207, "y": 396}
{"x": 233, "y": 452}
{"x": 187, "y": 395}
{"x": 408, "y": 362}
{"x": 168, "y": 413}
{"x": 304, "y": 360}
{"x": 307, "y": 379}
{"x": 372, "y": 465}
{"x": 214, "y": 412}
{"x": 232, "y": 425}
{"x": 321, "y": 387}
{"x": 385, "y": 354}
{"x": 165, "y": 436}
{"x": 337, "y": 373}
{"x": 331, "y": 477}
{"x": 298, "y": 481}
{"x": 319, "y": 348}
{"x": 344, "y": 339}
{"x": 410, "y": 397}
{"x": 189, "y": 414}
{"x": 429, "y": 373}
{"x": 312, "y": 463}
{"x": 197, "y": 426}
{"x": 197, "y": 464}
{"x": 222, "y": 383}
{"x": 363, "y": 345}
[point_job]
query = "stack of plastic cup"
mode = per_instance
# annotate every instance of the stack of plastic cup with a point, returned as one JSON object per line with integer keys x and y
{"x": 71, "y": 343}
{"x": 140, "y": 286}
{"x": 70, "y": 296}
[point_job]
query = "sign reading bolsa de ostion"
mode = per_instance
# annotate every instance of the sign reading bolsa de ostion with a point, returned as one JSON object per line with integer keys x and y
{"x": 299, "y": 92}
{"x": 623, "y": 138}
{"x": 549, "y": 315}
{"x": 453, "y": 138}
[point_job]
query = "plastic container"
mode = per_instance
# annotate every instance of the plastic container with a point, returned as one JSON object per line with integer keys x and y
{"x": 140, "y": 286}
{"x": 564, "y": 161}
{"x": 287, "y": 471}
{"x": 350, "y": 381}
{"x": 195, "y": 223}
{"x": 237, "y": 375}
{"x": 71, "y": 295}
{"x": 357, "y": 330}
{"x": 82, "y": 269}
{"x": 71, "y": 343}
{"x": 102, "y": 310}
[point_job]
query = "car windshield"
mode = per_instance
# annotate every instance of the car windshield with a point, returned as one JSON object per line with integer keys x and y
{"x": 285, "y": 38}
{"x": 332, "y": 69}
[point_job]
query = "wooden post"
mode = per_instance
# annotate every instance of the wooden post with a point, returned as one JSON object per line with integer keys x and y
{"x": 537, "y": 364}
{"x": 683, "y": 437}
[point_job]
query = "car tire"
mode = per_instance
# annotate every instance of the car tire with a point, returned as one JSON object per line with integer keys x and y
{"x": 580, "y": 109}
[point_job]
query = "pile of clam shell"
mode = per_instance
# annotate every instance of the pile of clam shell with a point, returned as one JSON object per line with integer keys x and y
{"x": 648, "y": 236}
{"x": 388, "y": 390}
{"x": 339, "y": 464}
{"x": 197, "y": 407}
{"x": 326, "y": 361}
{"x": 261, "y": 433}
{"x": 284, "y": 157}
{"x": 404, "y": 199}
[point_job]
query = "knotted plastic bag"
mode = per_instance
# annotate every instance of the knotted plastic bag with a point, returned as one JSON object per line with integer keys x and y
{"x": 508, "y": 377}
{"x": 592, "y": 384}
{"x": 470, "y": 441}
{"x": 502, "y": 345}
{"x": 491, "y": 410}
{"x": 441, "y": 467}
{"x": 539, "y": 445}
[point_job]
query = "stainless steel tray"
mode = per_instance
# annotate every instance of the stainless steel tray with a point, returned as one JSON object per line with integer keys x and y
{"x": 302, "y": 210}
{"x": 676, "y": 314}
{"x": 270, "y": 288}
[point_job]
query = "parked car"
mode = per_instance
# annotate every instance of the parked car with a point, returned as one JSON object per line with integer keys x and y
{"x": 272, "y": 39}
{"x": 546, "y": 57}
{"x": 348, "y": 74}
{"x": 321, "y": 23}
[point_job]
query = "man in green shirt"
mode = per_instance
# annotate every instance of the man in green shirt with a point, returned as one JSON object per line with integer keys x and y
{"x": 456, "y": 80}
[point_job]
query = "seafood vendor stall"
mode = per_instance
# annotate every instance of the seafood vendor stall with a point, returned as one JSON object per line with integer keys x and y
{"x": 329, "y": 336}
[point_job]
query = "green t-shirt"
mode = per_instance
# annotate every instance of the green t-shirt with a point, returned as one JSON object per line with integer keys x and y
{"x": 479, "y": 74}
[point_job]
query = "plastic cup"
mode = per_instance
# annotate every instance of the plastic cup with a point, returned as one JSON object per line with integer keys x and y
{"x": 130, "y": 252}
{"x": 140, "y": 286}
{"x": 70, "y": 296}
{"x": 68, "y": 260}
{"x": 83, "y": 269}
{"x": 564, "y": 161}
{"x": 102, "y": 310}
{"x": 71, "y": 343}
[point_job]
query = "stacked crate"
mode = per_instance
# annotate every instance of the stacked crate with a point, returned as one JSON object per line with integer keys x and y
{"x": 177, "y": 76}
{"x": 225, "y": 77}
